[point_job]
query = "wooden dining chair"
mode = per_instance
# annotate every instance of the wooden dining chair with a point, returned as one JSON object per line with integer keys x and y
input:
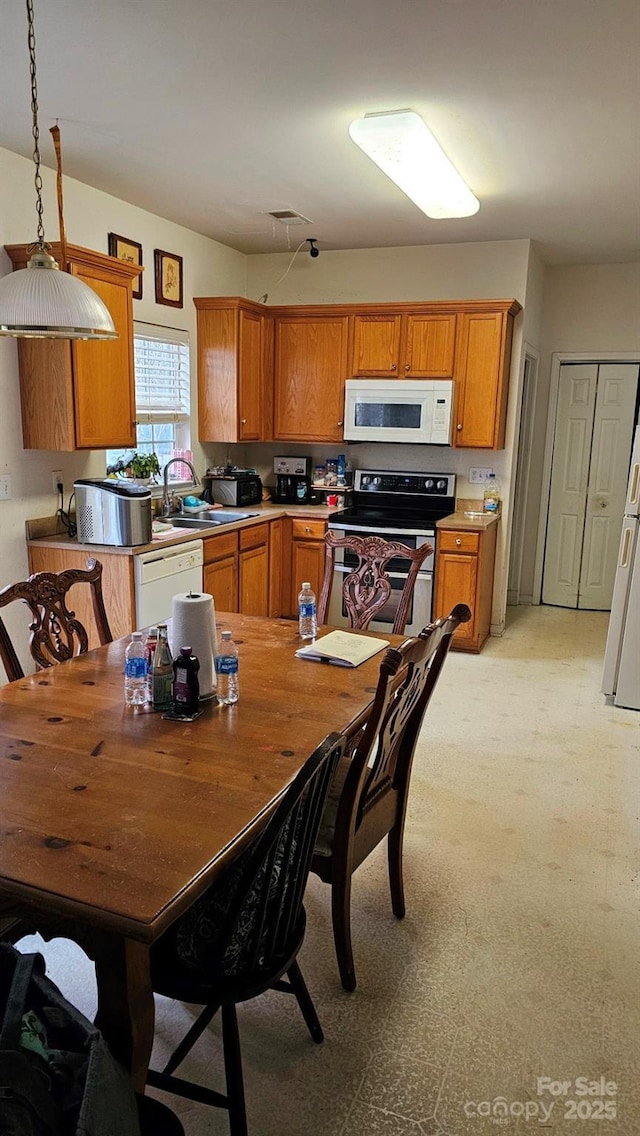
{"x": 367, "y": 588}
{"x": 56, "y": 634}
{"x": 368, "y": 796}
{"x": 244, "y": 934}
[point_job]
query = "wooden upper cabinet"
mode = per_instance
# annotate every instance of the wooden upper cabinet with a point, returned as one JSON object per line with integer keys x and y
{"x": 280, "y": 372}
{"x": 80, "y": 394}
{"x": 428, "y": 346}
{"x": 375, "y": 346}
{"x": 483, "y": 358}
{"x": 234, "y": 370}
{"x": 310, "y": 372}
{"x": 408, "y": 346}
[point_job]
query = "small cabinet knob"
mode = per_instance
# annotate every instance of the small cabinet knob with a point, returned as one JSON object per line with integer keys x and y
{"x": 243, "y": 421}
{"x": 459, "y": 426}
{"x": 393, "y": 367}
{"x": 407, "y": 366}
{"x": 340, "y": 423}
{"x": 307, "y": 529}
{"x": 458, "y": 540}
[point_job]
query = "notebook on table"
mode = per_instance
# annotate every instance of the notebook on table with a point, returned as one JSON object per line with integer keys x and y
{"x": 342, "y": 649}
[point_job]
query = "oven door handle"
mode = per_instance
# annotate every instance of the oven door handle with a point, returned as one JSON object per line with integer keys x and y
{"x": 385, "y": 531}
{"x": 344, "y": 570}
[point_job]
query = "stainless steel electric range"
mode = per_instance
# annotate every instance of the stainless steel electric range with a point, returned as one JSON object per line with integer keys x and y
{"x": 402, "y": 507}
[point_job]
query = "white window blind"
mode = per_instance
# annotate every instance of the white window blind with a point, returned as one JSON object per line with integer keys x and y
{"x": 162, "y": 374}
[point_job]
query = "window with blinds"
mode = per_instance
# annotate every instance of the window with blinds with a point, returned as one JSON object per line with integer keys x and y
{"x": 163, "y": 384}
{"x": 162, "y": 375}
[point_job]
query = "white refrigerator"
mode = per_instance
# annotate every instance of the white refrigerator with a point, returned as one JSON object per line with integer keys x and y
{"x": 621, "y": 675}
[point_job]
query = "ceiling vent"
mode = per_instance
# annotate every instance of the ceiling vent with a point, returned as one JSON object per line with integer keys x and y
{"x": 289, "y": 217}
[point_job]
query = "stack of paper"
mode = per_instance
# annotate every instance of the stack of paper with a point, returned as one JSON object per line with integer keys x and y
{"x": 342, "y": 649}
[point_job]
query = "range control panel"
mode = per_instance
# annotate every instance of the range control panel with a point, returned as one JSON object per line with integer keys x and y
{"x": 414, "y": 484}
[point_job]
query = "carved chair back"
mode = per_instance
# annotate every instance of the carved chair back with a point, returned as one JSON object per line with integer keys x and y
{"x": 56, "y": 633}
{"x": 367, "y": 588}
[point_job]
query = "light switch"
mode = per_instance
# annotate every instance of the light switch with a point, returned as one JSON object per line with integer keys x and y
{"x": 5, "y": 487}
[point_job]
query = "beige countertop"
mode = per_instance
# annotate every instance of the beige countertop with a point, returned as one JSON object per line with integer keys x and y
{"x": 462, "y": 522}
{"x": 43, "y": 532}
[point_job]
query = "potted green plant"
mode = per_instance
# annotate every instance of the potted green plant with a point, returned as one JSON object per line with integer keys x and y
{"x": 144, "y": 467}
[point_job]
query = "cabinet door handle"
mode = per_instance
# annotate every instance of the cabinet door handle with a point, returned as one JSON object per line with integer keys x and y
{"x": 393, "y": 367}
{"x": 340, "y": 423}
{"x": 243, "y": 421}
{"x": 459, "y": 426}
{"x": 307, "y": 529}
{"x": 407, "y": 366}
{"x": 458, "y": 540}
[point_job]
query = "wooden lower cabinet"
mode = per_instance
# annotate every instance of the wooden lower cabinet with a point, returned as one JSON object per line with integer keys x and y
{"x": 279, "y": 568}
{"x": 253, "y": 589}
{"x": 307, "y": 558}
{"x": 220, "y": 573}
{"x": 465, "y": 563}
{"x": 117, "y": 586}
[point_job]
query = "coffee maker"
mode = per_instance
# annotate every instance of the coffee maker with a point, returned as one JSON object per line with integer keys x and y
{"x": 293, "y": 480}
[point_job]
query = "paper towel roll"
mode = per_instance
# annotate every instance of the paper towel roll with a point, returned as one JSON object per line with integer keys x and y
{"x": 194, "y": 625}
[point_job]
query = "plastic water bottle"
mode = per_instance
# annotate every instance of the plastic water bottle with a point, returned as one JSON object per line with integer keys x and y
{"x": 135, "y": 672}
{"x": 491, "y": 502}
{"x": 227, "y": 671}
{"x": 307, "y": 619}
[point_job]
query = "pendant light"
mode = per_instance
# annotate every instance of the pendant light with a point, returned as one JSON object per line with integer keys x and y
{"x": 40, "y": 301}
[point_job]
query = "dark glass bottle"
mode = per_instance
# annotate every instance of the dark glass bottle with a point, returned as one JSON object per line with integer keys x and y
{"x": 162, "y": 671}
{"x": 186, "y": 685}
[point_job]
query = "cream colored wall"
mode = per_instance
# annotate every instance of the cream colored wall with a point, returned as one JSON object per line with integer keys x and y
{"x": 210, "y": 268}
{"x": 490, "y": 270}
{"x": 587, "y": 308}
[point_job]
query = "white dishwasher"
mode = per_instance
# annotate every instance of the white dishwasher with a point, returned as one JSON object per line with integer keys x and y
{"x": 162, "y": 574}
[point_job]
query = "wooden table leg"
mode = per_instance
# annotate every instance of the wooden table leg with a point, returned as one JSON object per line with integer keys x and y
{"x": 126, "y": 1011}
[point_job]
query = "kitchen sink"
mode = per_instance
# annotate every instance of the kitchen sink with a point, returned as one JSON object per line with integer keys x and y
{"x": 216, "y": 518}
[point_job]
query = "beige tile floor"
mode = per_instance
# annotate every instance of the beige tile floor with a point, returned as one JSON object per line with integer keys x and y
{"x": 518, "y": 957}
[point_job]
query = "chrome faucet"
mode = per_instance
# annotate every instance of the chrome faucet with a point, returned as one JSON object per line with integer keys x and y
{"x": 166, "y": 495}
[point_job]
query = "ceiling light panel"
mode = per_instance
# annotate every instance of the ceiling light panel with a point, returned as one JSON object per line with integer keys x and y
{"x": 403, "y": 147}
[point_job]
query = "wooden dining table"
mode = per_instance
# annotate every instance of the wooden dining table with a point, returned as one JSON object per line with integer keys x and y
{"x": 114, "y": 820}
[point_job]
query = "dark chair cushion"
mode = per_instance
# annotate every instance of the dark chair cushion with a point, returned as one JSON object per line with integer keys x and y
{"x": 324, "y": 839}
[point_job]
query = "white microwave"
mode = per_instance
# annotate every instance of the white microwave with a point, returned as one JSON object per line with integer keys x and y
{"x": 399, "y": 410}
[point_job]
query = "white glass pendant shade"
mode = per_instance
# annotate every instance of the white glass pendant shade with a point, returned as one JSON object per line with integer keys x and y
{"x": 41, "y": 302}
{"x": 403, "y": 147}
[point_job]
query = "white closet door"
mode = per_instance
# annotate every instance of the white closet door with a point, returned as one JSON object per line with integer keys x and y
{"x": 592, "y": 444}
{"x": 569, "y": 481}
{"x": 609, "y": 469}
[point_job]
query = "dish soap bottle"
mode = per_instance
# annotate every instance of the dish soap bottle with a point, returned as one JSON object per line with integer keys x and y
{"x": 491, "y": 502}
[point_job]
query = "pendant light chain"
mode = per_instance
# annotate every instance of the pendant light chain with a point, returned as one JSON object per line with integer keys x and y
{"x": 31, "y": 40}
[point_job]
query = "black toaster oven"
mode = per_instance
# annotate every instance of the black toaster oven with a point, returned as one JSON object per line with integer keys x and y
{"x": 237, "y": 487}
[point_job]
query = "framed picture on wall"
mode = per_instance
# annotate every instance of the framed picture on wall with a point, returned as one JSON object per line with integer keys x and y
{"x": 131, "y": 252}
{"x": 168, "y": 274}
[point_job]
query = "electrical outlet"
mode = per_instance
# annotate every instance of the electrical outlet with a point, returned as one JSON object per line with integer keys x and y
{"x": 478, "y": 476}
{"x": 5, "y": 487}
{"x": 56, "y": 479}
